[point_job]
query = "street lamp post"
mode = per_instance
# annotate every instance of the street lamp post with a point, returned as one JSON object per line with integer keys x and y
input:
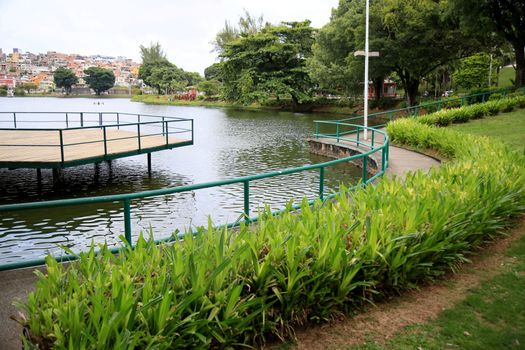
{"x": 367, "y": 54}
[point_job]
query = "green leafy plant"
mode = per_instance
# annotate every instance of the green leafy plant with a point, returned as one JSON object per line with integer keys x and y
{"x": 223, "y": 288}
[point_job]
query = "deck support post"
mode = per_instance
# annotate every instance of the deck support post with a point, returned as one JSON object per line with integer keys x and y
{"x": 57, "y": 176}
{"x": 149, "y": 164}
{"x": 39, "y": 177}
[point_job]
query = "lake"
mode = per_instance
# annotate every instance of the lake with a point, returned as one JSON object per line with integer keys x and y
{"x": 228, "y": 143}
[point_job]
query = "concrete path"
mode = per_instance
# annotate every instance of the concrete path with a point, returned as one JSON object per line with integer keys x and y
{"x": 16, "y": 284}
{"x": 400, "y": 160}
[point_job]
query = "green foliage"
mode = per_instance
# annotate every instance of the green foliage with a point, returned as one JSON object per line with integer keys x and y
{"x": 506, "y": 18}
{"x": 99, "y": 79}
{"x": 19, "y": 91}
{"x": 225, "y": 288}
{"x": 210, "y": 87}
{"x": 269, "y": 63}
{"x": 3, "y": 90}
{"x": 473, "y": 71}
{"x": 65, "y": 78}
{"x": 446, "y": 117}
{"x": 156, "y": 71}
{"x": 248, "y": 24}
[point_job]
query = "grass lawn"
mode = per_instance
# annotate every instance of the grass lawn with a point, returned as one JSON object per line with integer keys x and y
{"x": 505, "y": 76}
{"x": 492, "y": 316}
{"x": 508, "y": 127}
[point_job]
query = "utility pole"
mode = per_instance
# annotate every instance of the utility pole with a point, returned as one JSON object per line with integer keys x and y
{"x": 367, "y": 54}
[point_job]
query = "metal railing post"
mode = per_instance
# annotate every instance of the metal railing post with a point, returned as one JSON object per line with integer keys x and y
{"x": 358, "y": 132}
{"x": 321, "y": 183}
{"x": 67, "y": 120}
{"x": 365, "y": 165}
{"x": 162, "y": 126}
{"x": 166, "y": 127}
{"x": 61, "y": 145}
{"x": 105, "y": 141}
{"x": 100, "y": 119}
{"x": 14, "y": 119}
{"x": 246, "y": 195}
{"x": 118, "y": 121}
{"x": 138, "y": 135}
{"x": 316, "y": 130}
{"x": 373, "y": 136}
{"x": 81, "y": 119}
{"x": 127, "y": 221}
{"x": 337, "y": 131}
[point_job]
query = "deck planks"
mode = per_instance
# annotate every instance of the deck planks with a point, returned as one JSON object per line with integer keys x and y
{"x": 15, "y": 144}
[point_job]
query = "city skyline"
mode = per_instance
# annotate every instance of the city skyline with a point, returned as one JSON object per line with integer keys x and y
{"x": 118, "y": 28}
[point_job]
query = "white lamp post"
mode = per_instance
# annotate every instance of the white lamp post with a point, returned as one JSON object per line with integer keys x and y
{"x": 367, "y": 54}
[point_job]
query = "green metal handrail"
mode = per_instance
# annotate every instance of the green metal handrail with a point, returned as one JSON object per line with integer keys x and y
{"x": 164, "y": 122}
{"x": 126, "y": 199}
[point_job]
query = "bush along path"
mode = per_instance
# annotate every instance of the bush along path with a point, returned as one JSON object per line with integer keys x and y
{"x": 221, "y": 288}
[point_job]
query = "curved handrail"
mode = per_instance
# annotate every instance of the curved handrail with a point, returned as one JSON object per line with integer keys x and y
{"x": 126, "y": 199}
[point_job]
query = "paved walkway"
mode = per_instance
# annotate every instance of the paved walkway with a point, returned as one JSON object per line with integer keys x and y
{"x": 17, "y": 283}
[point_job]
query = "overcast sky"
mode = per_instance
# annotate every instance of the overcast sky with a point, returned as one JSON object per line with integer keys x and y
{"x": 118, "y": 27}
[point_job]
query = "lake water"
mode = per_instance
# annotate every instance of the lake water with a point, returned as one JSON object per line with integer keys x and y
{"x": 228, "y": 143}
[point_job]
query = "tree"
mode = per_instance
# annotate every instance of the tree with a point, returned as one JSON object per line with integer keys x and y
{"x": 333, "y": 65}
{"x": 413, "y": 38}
{"x": 156, "y": 71}
{"x": 506, "y": 18}
{"x": 210, "y": 87}
{"x": 28, "y": 87}
{"x": 99, "y": 79}
{"x": 269, "y": 63}
{"x": 152, "y": 54}
{"x": 473, "y": 72}
{"x": 65, "y": 78}
{"x": 248, "y": 24}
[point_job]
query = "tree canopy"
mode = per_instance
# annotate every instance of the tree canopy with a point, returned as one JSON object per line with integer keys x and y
{"x": 506, "y": 18}
{"x": 271, "y": 62}
{"x": 413, "y": 38}
{"x": 159, "y": 73}
{"x": 99, "y": 79}
{"x": 65, "y": 78}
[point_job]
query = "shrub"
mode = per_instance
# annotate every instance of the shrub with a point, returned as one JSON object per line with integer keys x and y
{"x": 495, "y": 96}
{"x": 445, "y": 117}
{"x": 223, "y": 288}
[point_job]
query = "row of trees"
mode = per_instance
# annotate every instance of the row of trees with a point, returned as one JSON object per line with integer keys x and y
{"x": 98, "y": 79}
{"x": 419, "y": 42}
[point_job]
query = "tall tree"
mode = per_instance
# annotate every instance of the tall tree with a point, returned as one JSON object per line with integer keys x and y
{"x": 247, "y": 24}
{"x": 65, "y": 78}
{"x": 414, "y": 37}
{"x": 99, "y": 79}
{"x": 506, "y": 18}
{"x": 152, "y": 54}
{"x": 269, "y": 63}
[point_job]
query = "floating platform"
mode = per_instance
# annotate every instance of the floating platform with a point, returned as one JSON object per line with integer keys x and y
{"x": 113, "y": 136}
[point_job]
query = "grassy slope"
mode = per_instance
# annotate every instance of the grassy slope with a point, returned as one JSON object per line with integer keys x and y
{"x": 509, "y": 128}
{"x": 492, "y": 316}
{"x": 505, "y": 76}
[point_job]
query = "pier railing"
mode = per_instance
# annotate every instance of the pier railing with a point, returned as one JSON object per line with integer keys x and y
{"x": 380, "y": 146}
{"x": 140, "y": 128}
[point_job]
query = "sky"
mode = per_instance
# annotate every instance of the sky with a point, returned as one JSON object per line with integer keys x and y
{"x": 117, "y": 27}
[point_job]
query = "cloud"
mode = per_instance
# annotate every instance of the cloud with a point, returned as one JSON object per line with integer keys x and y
{"x": 184, "y": 28}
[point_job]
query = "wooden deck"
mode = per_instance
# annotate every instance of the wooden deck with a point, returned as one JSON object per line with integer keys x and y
{"x": 18, "y": 147}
